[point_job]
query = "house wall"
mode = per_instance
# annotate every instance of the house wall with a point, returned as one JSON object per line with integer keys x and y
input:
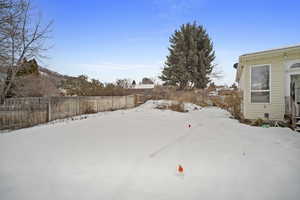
{"x": 277, "y": 60}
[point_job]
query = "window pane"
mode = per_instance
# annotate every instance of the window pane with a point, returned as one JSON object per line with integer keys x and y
{"x": 260, "y": 77}
{"x": 260, "y": 97}
{"x": 296, "y": 65}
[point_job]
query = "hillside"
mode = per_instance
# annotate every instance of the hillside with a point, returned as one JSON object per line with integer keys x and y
{"x": 35, "y": 80}
{"x": 55, "y": 77}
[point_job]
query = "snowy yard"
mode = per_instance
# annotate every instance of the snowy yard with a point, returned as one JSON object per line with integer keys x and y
{"x": 133, "y": 154}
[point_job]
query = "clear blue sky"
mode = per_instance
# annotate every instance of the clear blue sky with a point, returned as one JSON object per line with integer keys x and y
{"x": 110, "y": 39}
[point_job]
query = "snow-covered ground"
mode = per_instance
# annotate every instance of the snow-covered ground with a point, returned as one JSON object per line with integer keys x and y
{"x": 133, "y": 154}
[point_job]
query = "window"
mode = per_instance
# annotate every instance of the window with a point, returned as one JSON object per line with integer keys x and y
{"x": 260, "y": 84}
{"x": 295, "y": 66}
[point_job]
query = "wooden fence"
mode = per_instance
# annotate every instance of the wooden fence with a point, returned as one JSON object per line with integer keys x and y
{"x": 25, "y": 112}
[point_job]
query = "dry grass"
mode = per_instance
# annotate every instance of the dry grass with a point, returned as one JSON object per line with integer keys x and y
{"x": 198, "y": 97}
{"x": 178, "y": 107}
{"x": 229, "y": 100}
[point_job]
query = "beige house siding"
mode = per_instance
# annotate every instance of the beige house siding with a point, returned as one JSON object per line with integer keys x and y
{"x": 276, "y": 106}
{"x": 276, "y": 60}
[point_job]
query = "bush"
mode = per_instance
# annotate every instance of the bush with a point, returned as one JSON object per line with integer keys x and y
{"x": 257, "y": 122}
{"x": 89, "y": 110}
{"x": 219, "y": 102}
{"x": 233, "y": 103}
{"x": 178, "y": 107}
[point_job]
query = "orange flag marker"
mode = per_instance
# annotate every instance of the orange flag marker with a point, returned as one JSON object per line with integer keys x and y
{"x": 180, "y": 169}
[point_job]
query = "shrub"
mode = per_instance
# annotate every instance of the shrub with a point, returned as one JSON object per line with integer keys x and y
{"x": 178, "y": 107}
{"x": 257, "y": 122}
{"x": 89, "y": 110}
{"x": 233, "y": 104}
{"x": 218, "y": 101}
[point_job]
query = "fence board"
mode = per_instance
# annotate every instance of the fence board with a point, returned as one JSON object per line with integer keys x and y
{"x": 25, "y": 112}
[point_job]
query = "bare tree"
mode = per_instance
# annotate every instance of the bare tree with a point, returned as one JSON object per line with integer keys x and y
{"x": 123, "y": 83}
{"x": 22, "y": 35}
{"x": 217, "y": 73}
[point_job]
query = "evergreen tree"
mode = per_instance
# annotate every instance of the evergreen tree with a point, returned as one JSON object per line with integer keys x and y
{"x": 190, "y": 59}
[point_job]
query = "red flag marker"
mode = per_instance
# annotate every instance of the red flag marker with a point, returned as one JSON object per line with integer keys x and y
{"x": 180, "y": 169}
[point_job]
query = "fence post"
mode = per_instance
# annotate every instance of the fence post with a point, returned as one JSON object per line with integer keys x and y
{"x": 77, "y": 105}
{"x": 135, "y": 100}
{"x": 49, "y": 109}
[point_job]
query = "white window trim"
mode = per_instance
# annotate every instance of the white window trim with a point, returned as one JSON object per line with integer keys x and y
{"x": 270, "y": 99}
{"x": 288, "y": 73}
